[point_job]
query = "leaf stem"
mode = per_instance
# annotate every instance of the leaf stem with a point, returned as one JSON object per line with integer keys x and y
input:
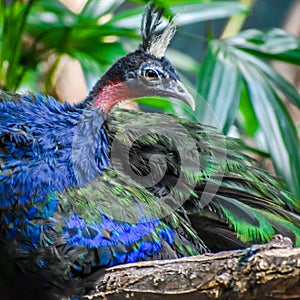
{"x": 235, "y": 23}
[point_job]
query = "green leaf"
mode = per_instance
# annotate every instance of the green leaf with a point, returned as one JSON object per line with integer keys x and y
{"x": 103, "y": 56}
{"x": 273, "y": 44}
{"x": 156, "y": 103}
{"x": 279, "y": 130}
{"x": 182, "y": 61}
{"x": 220, "y": 84}
{"x": 13, "y": 18}
{"x": 276, "y": 79}
{"x": 247, "y": 118}
{"x": 188, "y": 13}
{"x": 128, "y": 18}
{"x": 96, "y": 8}
{"x": 192, "y": 12}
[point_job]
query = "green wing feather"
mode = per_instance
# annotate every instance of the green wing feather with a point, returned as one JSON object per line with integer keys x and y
{"x": 119, "y": 198}
{"x": 213, "y": 185}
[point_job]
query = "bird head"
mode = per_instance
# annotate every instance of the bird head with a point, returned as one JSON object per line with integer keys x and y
{"x": 145, "y": 72}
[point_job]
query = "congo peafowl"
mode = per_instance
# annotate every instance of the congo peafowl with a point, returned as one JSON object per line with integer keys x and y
{"x": 83, "y": 187}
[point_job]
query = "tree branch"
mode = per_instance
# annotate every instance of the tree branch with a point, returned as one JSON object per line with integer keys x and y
{"x": 270, "y": 271}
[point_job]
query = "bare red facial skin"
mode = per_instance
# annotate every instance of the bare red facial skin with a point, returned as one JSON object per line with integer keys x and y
{"x": 110, "y": 95}
{"x": 115, "y": 92}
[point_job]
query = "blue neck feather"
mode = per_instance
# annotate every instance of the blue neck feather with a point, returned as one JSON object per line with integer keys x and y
{"x": 37, "y": 135}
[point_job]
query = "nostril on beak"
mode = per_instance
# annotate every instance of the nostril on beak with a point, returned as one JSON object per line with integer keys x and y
{"x": 180, "y": 89}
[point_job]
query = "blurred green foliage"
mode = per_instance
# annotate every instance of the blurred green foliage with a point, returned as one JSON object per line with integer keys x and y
{"x": 234, "y": 78}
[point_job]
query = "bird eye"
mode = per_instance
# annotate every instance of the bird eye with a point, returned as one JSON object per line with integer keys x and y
{"x": 151, "y": 74}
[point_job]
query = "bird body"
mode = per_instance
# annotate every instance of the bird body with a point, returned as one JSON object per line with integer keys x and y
{"x": 82, "y": 186}
{"x": 49, "y": 153}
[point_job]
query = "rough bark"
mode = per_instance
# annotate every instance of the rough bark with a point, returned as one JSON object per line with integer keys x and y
{"x": 270, "y": 271}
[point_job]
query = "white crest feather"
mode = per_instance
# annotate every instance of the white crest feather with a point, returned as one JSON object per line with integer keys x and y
{"x": 159, "y": 44}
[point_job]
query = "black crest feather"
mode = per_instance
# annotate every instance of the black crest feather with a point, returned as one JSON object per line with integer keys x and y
{"x": 150, "y": 21}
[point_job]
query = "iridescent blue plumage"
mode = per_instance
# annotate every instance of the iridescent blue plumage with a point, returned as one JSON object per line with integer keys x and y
{"x": 54, "y": 147}
{"x": 49, "y": 141}
{"x": 61, "y": 204}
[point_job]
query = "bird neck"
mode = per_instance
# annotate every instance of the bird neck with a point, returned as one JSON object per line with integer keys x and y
{"x": 106, "y": 93}
{"x": 90, "y": 148}
{"x": 110, "y": 95}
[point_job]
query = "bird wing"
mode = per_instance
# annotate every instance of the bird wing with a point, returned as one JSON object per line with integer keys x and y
{"x": 212, "y": 182}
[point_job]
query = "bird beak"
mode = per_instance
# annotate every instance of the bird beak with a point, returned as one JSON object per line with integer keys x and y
{"x": 177, "y": 90}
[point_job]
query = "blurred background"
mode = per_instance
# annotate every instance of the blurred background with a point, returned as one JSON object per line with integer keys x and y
{"x": 241, "y": 58}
